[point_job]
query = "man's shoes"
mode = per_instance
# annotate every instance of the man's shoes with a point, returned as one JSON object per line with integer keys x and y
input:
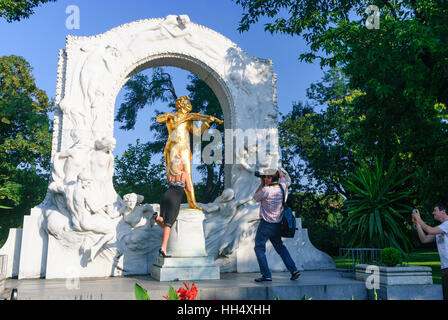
{"x": 262, "y": 279}
{"x": 295, "y": 275}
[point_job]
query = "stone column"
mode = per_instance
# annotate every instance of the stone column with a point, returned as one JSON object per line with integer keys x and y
{"x": 186, "y": 246}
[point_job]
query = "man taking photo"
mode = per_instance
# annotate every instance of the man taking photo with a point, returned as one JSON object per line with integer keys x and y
{"x": 439, "y": 234}
{"x": 270, "y": 196}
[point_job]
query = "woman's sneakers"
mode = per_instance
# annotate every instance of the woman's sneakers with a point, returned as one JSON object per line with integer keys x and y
{"x": 262, "y": 279}
{"x": 295, "y": 275}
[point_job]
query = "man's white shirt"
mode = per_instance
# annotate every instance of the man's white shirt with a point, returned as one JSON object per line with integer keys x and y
{"x": 442, "y": 244}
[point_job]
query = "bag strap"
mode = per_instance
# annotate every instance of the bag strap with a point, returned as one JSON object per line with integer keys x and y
{"x": 283, "y": 193}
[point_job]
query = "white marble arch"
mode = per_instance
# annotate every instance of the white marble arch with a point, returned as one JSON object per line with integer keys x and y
{"x": 91, "y": 72}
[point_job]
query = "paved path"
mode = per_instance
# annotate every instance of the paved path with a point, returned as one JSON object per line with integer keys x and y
{"x": 231, "y": 286}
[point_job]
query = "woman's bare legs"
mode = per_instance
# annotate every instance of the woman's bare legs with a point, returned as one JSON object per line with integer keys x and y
{"x": 165, "y": 234}
{"x": 165, "y": 237}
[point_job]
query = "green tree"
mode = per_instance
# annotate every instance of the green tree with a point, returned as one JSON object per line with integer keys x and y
{"x": 397, "y": 76}
{"x": 141, "y": 92}
{"x": 318, "y": 151}
{"x": 15, "y": 10}
{"x": 25, "y": 135}
{"x": 317, "y": 147}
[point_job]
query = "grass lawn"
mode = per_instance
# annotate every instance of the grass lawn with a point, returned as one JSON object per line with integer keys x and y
{"x": 428, "y": 258}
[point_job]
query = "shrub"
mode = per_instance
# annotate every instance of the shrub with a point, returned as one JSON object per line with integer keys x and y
{"x": 378, "y": 204}
{"x": 391, "y": 257}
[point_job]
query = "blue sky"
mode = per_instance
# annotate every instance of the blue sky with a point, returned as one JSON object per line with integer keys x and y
{"x": 39, "y": 38}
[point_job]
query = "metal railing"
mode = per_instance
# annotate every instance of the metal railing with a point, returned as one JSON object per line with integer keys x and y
{"x": 356, "y": 256}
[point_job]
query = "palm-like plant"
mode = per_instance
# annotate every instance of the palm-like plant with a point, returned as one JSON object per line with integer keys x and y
{"x": 379, "y": 199}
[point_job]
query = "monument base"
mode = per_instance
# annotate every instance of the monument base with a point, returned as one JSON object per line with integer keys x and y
{"x": 186, "y": 247}
{"x": 185, "y": 268}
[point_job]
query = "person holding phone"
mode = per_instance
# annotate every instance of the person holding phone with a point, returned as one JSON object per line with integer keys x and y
{"x": 438, "y": 234}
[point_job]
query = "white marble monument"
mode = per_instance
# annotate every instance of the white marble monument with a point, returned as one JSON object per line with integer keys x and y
{"x": 84, "y": 228}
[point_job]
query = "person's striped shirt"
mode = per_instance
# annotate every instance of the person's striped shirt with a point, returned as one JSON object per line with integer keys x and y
{"x": 271, "y": 199}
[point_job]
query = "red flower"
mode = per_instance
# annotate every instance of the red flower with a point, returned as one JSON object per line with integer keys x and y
{"x": 187, "y": 293}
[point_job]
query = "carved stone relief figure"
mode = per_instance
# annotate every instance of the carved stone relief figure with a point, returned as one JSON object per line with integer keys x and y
{"x": 243, "y": 172}
{"x": 89, "y": 217}
{"x": 138, "y": 234}
{"x": 172, "y": 27}
{"x": 67, "y": 165}
{"x": 86, "y": 113}
{"x": 101, "y": 169}
{"x": 220, "y": 214}
{"x": 74, "y": 160}
{"x": 83, "y": 192}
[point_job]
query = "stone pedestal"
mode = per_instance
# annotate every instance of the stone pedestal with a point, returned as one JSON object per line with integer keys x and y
{"x": 399, "y": 283}
{"x": 34, "y": 244}
{"x": 186, "y": 246}
{"x": 407, "y": 275}
{"x": 11, "y": 250}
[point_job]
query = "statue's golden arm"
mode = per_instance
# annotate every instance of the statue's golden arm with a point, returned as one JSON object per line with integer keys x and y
{"x": 162, "y": 118}
{"x": 205, "y": 118}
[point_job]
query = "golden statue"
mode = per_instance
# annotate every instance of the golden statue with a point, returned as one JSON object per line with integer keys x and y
{"x": 180, "y": 125}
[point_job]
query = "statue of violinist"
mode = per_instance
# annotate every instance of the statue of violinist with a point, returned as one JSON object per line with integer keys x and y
{"x": 180, "y": 125}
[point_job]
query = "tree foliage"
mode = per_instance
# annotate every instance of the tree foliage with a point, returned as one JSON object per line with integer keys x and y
{"x": 318, "y": 145}
{"x": 394, "y": 98}
{"x": 142, "y": 91}
{"x": 384, "y": 94}
{"x": 15, "y": 10}
{"x": 321, "y": 215}
{"x": 25, "y": 138}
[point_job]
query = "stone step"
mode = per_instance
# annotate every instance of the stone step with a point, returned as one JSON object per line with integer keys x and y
{"x": 175, "y": 262}
{"x": 318, "y": 285}
{"x": 184, "y": 273}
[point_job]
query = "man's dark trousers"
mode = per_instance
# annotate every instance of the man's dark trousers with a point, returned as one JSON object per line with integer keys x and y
{"x": 271, "y": 231}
